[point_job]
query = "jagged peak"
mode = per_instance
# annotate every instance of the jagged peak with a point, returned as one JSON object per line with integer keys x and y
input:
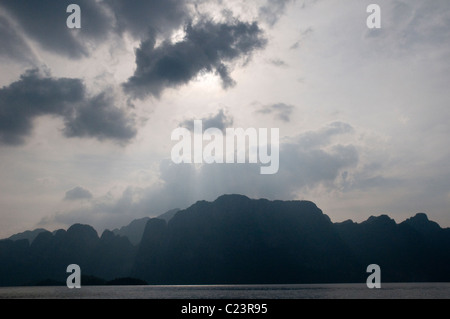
{"x": 78, "y": 229}
{"x": 422, "y": 217}
{"x": 107, "y": 235}
{"x": 346, "y": 222}
{"x": 422, "y": 223}
{"x": 381, "y": 219}
{"x": 228, "y": 197}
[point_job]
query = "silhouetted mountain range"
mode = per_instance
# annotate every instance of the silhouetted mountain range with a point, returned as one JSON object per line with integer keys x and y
{"x": 236, "y": 240}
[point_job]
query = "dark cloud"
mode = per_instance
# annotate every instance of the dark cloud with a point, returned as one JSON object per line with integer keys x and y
{"x": 144, "y": 17}
{"x": 36, "y": 95}
{"x": 77, "y": 193}
{"x": 207, "y": 47}
{"x": 99, "y": 118}
{"x": 281, "y": 111}
{"x": 45, "y": 22}
{"x": 221, "y": 121}
{"x": 13, "y": 45}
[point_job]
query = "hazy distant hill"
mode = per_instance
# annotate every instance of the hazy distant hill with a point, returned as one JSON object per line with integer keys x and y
{"x": 136, "y": 228}
{"x": 167, "y": 216}
{"x": 29, "y": 235}
{"x": 133, "y": 231}
{"x": 109, "y": 256}
{"x": 237, "y": 240}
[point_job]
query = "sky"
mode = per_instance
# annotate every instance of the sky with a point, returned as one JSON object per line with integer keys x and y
{"x": 86, "y": 115}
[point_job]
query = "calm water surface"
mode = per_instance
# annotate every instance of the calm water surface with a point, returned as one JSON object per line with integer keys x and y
{"x": 320, "y": 291}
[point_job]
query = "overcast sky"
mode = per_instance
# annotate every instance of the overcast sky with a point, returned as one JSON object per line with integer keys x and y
{"x": 86, "y": 115}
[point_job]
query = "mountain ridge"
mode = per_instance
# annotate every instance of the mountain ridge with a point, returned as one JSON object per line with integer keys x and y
{"x": 235, "y": 239}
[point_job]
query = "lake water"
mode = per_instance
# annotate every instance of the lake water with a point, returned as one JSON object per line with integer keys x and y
{"x": 319, "y": 291}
